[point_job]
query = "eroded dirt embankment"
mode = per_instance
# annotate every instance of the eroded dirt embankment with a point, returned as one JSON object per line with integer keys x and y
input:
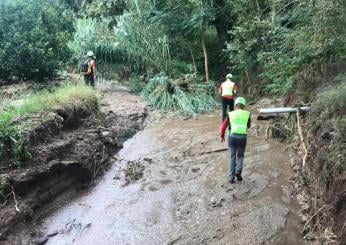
{"x": 69, "y": 150}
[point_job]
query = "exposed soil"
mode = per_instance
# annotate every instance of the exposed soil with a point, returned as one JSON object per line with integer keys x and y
{"x": 70, "y": 149}
{"x": 169, "y": 185}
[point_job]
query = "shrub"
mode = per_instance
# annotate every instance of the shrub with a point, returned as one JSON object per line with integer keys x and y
{"x": 136, "y": 85}
{"x": 332, "y": 102}
{"x": 33, "y": 38}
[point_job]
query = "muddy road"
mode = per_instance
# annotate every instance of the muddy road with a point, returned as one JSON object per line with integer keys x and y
{"x": 182, "y": 195}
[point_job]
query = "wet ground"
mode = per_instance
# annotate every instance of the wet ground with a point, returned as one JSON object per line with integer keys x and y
{"x": 184, "y": 196}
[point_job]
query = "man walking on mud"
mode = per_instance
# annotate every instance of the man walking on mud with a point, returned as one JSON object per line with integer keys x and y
{"x": 89, "y": 69}
{"x": 238, "y": 121}
{"x": 228, "y": 90}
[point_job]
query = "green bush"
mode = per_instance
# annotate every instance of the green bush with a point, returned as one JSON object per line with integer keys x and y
{"x": 332, "y": 102}
{"x": 283, "y": 45}
{"x": 33, "y": 38}
{"x": 13, "y": 143}
{"x": 136, "y": 85}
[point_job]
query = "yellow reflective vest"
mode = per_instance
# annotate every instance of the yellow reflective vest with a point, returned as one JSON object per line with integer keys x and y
{"x": 227, "y": 88}
{"x": 238, "y": 120}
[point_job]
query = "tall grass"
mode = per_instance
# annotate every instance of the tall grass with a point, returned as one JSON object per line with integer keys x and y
{"x": 163, "y": 93}
{"x": 95, "y": 35}
{"x": 14, "y": 139}
{"x": 144, "y": 42}
{"x": 49, "y": 101}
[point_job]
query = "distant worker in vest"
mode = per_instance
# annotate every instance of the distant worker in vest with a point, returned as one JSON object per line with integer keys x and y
{"x": 228, "y": 90}
{"x": 88, "y": 68}
{"x": 238, "y": 122}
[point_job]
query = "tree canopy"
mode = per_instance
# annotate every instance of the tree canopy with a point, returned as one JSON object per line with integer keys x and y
{"x": 270, "y": 45}
{"x": 33, "y": 38}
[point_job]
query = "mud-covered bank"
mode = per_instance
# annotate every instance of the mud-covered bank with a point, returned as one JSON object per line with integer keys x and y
{"x": 69, "y": 149}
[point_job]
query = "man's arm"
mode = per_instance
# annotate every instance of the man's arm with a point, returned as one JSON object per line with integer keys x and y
{"x": 235, "y": 89}
{"x": 223, "y": 128}
{"x": 249, "y": 122}
{"x": 220, "y": 89}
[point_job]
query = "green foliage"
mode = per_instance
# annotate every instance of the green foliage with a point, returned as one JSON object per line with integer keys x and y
{"x": 145, "y": 35}
{"x": 33, "y": 37}
{"x": 101, "y": 9}
{"x": 95, "y": 35}
{"x": 332, "y": 103}
{"x": 328, "y": 123}
{"x": 144, "y": 42}
{"x": 183, "y": 96}
{"x": 4, "y": 189}
{"x": 47, "y": 101}
{"x": 136, "y": 85}
{"x": 14, "y": 143}
{"x": 282, "y": 42}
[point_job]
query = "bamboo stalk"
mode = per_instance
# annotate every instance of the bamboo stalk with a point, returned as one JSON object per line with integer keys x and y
{"x": 193, "y": 61}
{"x": 205, "y": 60}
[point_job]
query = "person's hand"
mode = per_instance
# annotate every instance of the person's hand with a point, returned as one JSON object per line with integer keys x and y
{"x": 222, "y": 139}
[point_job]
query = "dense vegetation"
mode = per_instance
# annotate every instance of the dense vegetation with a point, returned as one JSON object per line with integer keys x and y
{"x": 33, "y": 37}
{"x": 270, "y": 45}
{"x": 176, "y": 52}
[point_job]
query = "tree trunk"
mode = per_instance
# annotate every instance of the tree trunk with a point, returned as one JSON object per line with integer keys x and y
{"x": 248, "y": 85}
{"x": 193, "y": 61}
{"x": 205, "y": 60}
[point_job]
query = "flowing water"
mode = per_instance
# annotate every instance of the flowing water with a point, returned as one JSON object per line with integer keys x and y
{"x": 184, "y": 196}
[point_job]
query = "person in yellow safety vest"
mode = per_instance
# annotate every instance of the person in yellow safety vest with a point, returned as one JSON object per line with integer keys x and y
{"x": 90, "y": 73}
{"x": 239, "y": 121}
{"x": 228, "y": 90}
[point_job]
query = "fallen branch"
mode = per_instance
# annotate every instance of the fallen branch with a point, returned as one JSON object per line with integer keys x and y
{"x": 215, "y": 151}
{"x": 301, "y": 138}
{"x": 308, "y": 222}
{"x": 100, "y": 165}
{"x": 267, "y": 131}
{"x": 15, "y": 200}
{"x": 5, "y": 202}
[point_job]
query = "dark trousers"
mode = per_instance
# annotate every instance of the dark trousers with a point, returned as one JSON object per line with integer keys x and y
{"x": 226, "y": 103}
{"x": 236, "y": 145}
{"x": 89, "y": 80}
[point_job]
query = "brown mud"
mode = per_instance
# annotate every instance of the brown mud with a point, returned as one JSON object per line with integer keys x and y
{"x": 70, "y": 149}
{"x": 169, "y": 185}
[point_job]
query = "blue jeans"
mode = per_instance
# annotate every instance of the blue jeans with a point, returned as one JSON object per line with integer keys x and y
{"x": 236, "y": 145}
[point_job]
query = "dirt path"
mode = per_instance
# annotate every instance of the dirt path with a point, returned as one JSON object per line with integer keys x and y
{"x": 183, "y": 196}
